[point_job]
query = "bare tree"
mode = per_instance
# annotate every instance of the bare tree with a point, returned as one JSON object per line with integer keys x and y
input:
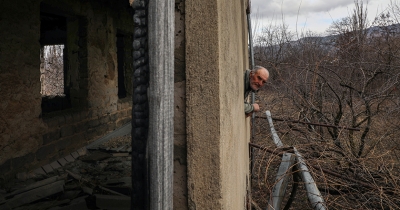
{"x": 348, "y": 80}
{"x": 345, "y": 80}
{"x": 52, "y": 70}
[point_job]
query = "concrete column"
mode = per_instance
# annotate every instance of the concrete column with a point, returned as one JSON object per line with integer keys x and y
{"x": 217, "y": 132}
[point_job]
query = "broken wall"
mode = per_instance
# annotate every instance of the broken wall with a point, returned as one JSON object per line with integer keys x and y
{"x": 30, "y": 137}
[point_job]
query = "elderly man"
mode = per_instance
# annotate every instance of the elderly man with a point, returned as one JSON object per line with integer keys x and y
{"x": 253, "y": 81}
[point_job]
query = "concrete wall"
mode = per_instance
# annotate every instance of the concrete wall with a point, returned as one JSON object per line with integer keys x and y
{"x": 180, "y": 146}
{"x": 234, "y": 152}
{"x": 30, "y": 138}
{"x": 217, "y": 132}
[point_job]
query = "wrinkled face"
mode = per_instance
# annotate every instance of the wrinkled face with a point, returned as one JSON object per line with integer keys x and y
{"x": 258, "y": 79}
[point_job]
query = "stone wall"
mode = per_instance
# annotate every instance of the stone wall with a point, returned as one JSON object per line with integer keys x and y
{"x": 30, "y": 137}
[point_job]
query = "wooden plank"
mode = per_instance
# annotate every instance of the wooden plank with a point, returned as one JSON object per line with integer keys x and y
{"x": 33, "y": 186}
{"x": 34, "y": 195}
{"x": 75, "y": 176}
{"x": 112, "y": 191}
{"x": 51, "y": 205}
{"x": 121, "y": 148}
{"x": 313, "y": 194}
{"x": 75, "y": 155}
{"x": 62, "y": 161}
{"x": 125, "y": 154}
{"x": 95, "y": 156}
{"x": 275, "y": 136}
{"x": 55, "y": 165}
{"x": 39, "y": 171}
{"x": 69, "y": 158}
{"x": 82, "y": 151}
{"x": 281, "y": 181}
{"x": 47, "y": 168}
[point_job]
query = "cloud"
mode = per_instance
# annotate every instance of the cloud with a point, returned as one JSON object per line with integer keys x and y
{"x": 314, "y": 15}
{"x": 270, "y": 8}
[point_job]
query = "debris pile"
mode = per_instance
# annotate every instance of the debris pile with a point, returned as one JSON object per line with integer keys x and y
{"x": 96, "y": 177}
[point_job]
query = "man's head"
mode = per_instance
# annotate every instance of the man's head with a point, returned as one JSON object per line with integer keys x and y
{"x": 258, "y": 77}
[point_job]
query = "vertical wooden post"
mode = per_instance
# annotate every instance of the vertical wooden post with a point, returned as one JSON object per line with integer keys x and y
{"x": 160, "y": 140}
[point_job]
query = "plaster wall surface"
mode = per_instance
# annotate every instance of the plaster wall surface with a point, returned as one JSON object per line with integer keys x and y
{"x": 234, "y": 152}
{"x": 28, "y": 137}
{"x": 217, "y": 131}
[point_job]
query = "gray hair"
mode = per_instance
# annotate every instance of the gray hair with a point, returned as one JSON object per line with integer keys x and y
{"x": 257, "y": 68}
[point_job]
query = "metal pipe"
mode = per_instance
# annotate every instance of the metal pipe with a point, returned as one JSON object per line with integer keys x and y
{"x": 281, "y": 150}
{"x": 281, "y": 182}
{"x": 248, "y": 11}
{"x": 275, "y": 136}
{"x": 313, "y": 193}
{"x": 296, "y": 179}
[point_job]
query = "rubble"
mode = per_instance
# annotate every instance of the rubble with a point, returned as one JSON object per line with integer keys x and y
{"x": 90, "y": 178}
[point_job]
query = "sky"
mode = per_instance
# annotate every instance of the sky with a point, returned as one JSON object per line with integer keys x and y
{"x": 308, "y": 15}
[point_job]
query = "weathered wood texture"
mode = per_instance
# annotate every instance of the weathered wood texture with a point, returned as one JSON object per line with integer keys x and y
{"x": 161, "y": 95}
{"x": 34, "y": 195}
{"x": 33, "y": 186}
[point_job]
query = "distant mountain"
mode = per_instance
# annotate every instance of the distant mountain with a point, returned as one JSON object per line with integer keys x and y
{"x": 372, "y": 32}
{"x": 326, "y": 42}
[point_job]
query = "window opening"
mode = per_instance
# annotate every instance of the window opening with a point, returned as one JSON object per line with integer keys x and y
{"x": 52, "y": 70}
{"x": 53, "y": 57}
